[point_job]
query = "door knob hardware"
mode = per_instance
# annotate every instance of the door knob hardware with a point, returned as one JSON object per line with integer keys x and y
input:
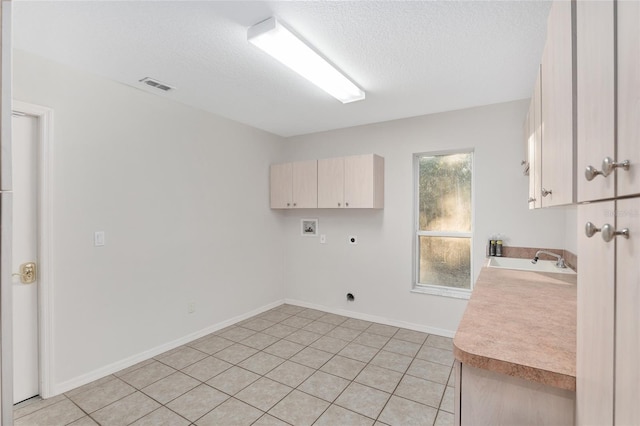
{"x": 608, "y": 166}
{"x": 590, "y": 172}
{"x": 590, "y": 229}
{"x": 608, "y": 231}
{"x": 28, "y": 273}
{"x": 546, "y": 192}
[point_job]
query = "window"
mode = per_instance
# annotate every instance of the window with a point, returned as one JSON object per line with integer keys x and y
{"x": 443, "y": 223}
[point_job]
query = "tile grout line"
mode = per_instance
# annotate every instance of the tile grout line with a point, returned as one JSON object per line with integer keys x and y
{"x": 355, "y": 328}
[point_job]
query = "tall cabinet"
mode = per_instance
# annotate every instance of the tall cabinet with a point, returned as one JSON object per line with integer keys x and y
{"x": 608, "y": 135}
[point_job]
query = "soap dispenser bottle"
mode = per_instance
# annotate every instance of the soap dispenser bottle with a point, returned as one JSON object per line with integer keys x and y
{"x": 498, "y": 246}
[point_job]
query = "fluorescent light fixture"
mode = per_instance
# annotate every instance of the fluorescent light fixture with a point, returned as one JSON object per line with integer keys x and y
{"x": 270, "y": 36}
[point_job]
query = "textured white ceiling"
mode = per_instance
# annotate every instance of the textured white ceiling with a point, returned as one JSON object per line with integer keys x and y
{"x": 411, "y": 57}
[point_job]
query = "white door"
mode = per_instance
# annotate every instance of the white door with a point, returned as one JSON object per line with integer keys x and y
{"x": 25, "y": 249}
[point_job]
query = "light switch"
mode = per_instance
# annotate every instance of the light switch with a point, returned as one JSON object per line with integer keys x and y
{"x": 323, "y": 238}
{"x": 98, "y": 238}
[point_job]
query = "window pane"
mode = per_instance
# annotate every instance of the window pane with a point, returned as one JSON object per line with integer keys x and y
{"x": 445, "y": 193}
{"x": 445, "y": 261}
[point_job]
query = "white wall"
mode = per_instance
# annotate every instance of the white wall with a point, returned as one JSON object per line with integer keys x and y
{"x": 571, "y": 229}
{"x": 182, "y": 196}
{"x": 379, "y": 269}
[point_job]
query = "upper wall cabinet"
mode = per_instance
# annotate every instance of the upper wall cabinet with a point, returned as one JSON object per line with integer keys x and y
{"x": 533, "y": 134}
{"x": 294, "y": 185}
{"x": 558, "y": 143}
{"x": 601, "y": 159}
{"x": 351, "y": 182}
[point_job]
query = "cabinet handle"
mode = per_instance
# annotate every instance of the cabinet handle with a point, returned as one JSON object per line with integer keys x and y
{"x": 608, "y": 231}
{"x": 545, "y": 192}
{"x": 590, "y": 229}
{"x": 346, "y": 204}
{"x": 532, "y": 199}
{"x": 608, "y": 166}
{"x": 294, "y": 204}
{"x": 288, "y": 204}
{"x": 338, "y": 204}
{"x": 590, "y": 172}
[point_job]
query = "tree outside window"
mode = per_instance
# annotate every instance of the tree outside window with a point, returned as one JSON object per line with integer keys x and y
{"x": 444, "y": 219}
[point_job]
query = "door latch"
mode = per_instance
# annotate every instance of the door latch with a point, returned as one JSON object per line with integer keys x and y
{"x": 27, "y": 273}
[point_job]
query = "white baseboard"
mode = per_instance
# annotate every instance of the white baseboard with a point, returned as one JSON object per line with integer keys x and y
{"x": 375, "y": 318}
{"x": 132, "y": 360}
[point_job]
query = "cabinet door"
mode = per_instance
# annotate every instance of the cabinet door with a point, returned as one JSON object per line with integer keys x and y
{"x": 305, "y": 184}
{"x": 363, "y": 180}
{"x": 331, "y": 183}
{"x": 535, "y": 148}
{"x": 628, "y": 96}
{"x": 529, "y": 146}
{"x": 557, "y": 107}
{"x": 628, "y": 313}
{"x": 596, "y": 290}
{"x": 280, "y": 186}
{"x": 595, "y": 96}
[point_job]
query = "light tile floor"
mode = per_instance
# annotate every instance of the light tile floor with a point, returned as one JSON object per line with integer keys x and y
{"x": 289, "y": 365}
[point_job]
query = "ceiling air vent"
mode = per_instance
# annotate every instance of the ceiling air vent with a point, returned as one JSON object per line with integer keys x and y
{"x": 157, "y": 84}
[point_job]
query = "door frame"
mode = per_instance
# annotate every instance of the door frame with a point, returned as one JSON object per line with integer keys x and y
{"x": 44, "y": 117}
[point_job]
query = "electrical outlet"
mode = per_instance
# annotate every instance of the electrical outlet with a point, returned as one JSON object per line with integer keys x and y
{"x": 191, "y": 307}
{"x": 353, "y": 239}
{"x": 323, "y": 239}
{"x": 98, "y": 238}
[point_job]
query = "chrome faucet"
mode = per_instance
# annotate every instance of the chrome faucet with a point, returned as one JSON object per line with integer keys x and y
{"x": 560, "y": 263}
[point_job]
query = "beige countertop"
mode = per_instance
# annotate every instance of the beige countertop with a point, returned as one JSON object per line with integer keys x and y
{"x": 522, "y": 324}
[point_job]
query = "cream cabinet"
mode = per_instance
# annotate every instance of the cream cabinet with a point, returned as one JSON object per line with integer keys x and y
{"x": 351, "y": 182}
{"x": 596, "y": 95}
{"x": 557, "y": 107}
{"x": 533, "y": 135}
{"x": 595, "y": 343}
{"x": 608, "y": 356}
{"x": 628, "y": 97}
{"x": 294, "y": 185}
{"x": 627, "y": 361}
{"x": 608, "y": 166}
{"x": 608, "y": 353}
{"x": 488, "y": 398}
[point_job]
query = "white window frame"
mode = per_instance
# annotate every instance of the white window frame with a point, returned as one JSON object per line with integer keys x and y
{"x": 440, "y": 290}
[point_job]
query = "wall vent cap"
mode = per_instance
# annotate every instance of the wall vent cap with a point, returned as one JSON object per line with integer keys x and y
{"x": 157, "y": 84}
